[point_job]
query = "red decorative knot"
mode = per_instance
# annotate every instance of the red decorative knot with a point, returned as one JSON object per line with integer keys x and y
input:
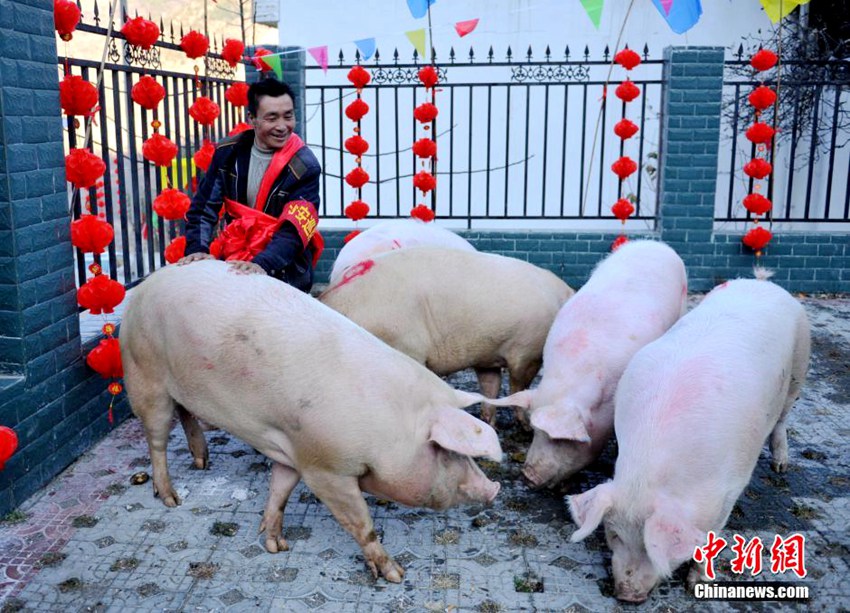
{"x": 757, "y": 238}
{"x": 757, "y": 168}
{"x": 77, "y": 96}
{"x": 141, "y": 32}
{"x": 625, "y": 129}
{"x": 764, "y": 59}
{"x": 204, "y": 111}
{"x": 232, "y": 51}
{"x": 623, "y": 209}
{"x": 359, "y": 77}
{"x": 195, "y": 44}
{"x": 115, "y": 388}
{"x": 237, "y": 94}
{"x": 757, "y": 204}
{"x": 100, "y": 294}
{"x": 203, "y": 156}
{"x": 424, "y": 181}
{"x": 83, "y": 168}
{"x": 429, "y": 77}
{"x": 156, "y": 124}
{"x": 105, "y": 359}
{"x": 760, "y": 133}
{"x": 357, "y": 178}
{"x": 425, "y": 112}
{"x": 357, "y": 210}
{"x": 425, "y": 148}
{"x": 422, "y": 212}
{"x": 66, "y": 16}
{"x": 90, "y": 234}
{"x": 762, "y": 97}
{"x": 176, "y": 249}
{"x": 258, "y": 61}
{"x": 627, "y": 58}
{"x": 350, "y": 235}
{"x": 627, "y": 91}
{"x": 147, "y": 92}
{"x": 171, "y": 204}
{"x": 619, "y": 242}
{"x": 356, "y": 145}
{"x": 624, "y": 167}
{"x": 95, "y": 268}
{"x": 159, "y": 150}
{"x": 356, "y": 110}
{"x": 108, "y": 329}
{"x": 239, "y": 127}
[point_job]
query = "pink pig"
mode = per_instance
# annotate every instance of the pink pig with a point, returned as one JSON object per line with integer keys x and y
{"x": 324, "y": 399}
{"x": 632, "y": 298}
{"x": 693, "y": 410}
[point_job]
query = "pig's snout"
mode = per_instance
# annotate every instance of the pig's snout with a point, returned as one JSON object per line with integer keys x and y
{"x": 484, "y": 492}
{"x": 494, "y": 491}
{"x": 530, "y": 473}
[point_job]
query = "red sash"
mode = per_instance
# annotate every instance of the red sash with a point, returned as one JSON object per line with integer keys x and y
{"x": 252, "y": 229}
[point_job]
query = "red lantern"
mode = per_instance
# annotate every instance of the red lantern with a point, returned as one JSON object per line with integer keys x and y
{"x": 8, "y": 444}
{"x": 422, "y": 212}
{"x": 357, "y": 210}
{"x": 258, "y": 61}
{"x": 105, "y": 359}
{"x": 623, "y": 209}
{"x": 239, "y": 128}
{"x": 359, "y": 77}
{"x": 66, "y": 16}
{"x": 757, "y": 238}
{"x": 764, "y": 59}
{"x": 83, "y": 168}
{"x": 425, "y": 112}
{"x": 100, "y": 294}
{"x": 627, "y": 58}
{"x": 760, "y": 133}
{"x": 350, "y": 235}
{"x": 757, "y": 168}
{"x": 195, "y": 44}
{"x": 159, "y": 150}
{"x": 176, "y": 249}
{"x": 624, "y": 167}
{"x": 203, "y": 156}
{"x": 625, "y": 129}
{"x": 356, "y": 145}
{"x": 204, "y": 111}
{"x": 77, "y": 96}
{"x": 232, "y": 51}
{"x": 425, "y": 148}
{"x": 357, "y": 178}
{"x": 627, "y": 91}
{"x": 762, "y": 97}
{"x": 237, "y": 94}
{"x": 757, "y": 204}
{"x": 356, "y": 110}
{"x": 148, "y": 93}
{"x": 424, "y": 180}
{"x": 171, "y": 204}
{"x": 429, "y": 77}
{"x": 90, "y": 234}
{"x": 619, "y": 242}
{"x": 141, "y": 32}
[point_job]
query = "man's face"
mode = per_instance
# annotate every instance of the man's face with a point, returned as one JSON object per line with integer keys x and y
{"x": 274, "y": 122}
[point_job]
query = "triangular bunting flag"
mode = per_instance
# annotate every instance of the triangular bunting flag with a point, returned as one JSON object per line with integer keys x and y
{"x": 594, "y": 10}
{"x": 666, "y": 5}
{"x": 366, "y": 47}
{"x": 465, "y": 27}
{"x": 274, "y": 62}
{"x": 419, "y": 8}
{"x": 684, "y": 14}
{"x": 417, "y": 39}
{"x": 320, "y": 54}
{"x": 777, "y": 9}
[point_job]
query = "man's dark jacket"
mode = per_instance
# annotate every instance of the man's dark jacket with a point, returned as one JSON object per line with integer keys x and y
{"x": 227, "y": 177}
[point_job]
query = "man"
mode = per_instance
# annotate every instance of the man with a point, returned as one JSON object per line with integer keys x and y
{"x": 267, "y": 181}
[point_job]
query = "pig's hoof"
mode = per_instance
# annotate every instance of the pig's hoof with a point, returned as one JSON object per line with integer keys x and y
{"x": 202, "y": 463}
{"x": 779, "y": 466}
{"x": 171, "y": 499}
{"x": 276, "y": 544}
{"x": 393, "y": 572}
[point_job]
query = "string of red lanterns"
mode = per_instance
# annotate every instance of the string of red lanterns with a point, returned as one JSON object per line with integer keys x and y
{"x": 357, "y": 146}
{"x": 426, "y": 148}
{"x": 760, "y": 135}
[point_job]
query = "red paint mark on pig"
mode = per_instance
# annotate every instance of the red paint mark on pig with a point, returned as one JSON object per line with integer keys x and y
{"x": 358, "y": 270}
{"x": 396, "y": 244}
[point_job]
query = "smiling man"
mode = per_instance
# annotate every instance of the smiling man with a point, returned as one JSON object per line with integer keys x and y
{"x": 267, "y": 180}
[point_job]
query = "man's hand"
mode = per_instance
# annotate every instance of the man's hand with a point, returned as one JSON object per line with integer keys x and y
{"x": 241, "y": 267}
{"x": 195, "y": 257}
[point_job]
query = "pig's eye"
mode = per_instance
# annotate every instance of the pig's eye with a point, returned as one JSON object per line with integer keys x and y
{"x": 613, "y": 537}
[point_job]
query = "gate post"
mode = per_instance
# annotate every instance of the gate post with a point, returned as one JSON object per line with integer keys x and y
{"x": 690, "y": 135}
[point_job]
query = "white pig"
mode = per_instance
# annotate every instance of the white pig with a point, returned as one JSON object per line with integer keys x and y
{"x": 324, "y": 399}
{"x": 450, "y": 310}
{"x": 693, "y": 411}
{"x": 633, "y": 296}
{"x": 390, "y": 235}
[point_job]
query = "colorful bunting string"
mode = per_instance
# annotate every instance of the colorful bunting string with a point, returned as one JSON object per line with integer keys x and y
{"x": 680, "y": 15}
{"x": 417, "y": 39}
{"x": 366, "y": 46}
{"x": 777, "y": 9}
{"x": 465, "y": 27}
{"x": 594, "y": 10}
{"x": 419, "y": 8}
{"x": 320, "y": 54}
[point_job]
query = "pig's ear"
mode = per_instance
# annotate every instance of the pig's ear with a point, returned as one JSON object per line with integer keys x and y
{"x": 670, "y": 539}
{"x": 589, "y": 509}
{"x": 458, "y": 431}
{"x": 560, "y": 422}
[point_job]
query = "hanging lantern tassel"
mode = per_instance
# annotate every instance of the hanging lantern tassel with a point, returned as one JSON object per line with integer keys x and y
{"x": 114, "y": 388}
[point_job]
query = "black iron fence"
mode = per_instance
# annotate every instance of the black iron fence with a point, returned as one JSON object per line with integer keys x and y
{"x": 521, "y": 141}
{"x": 810, "y": 182}
{"x": 130, "y": 182}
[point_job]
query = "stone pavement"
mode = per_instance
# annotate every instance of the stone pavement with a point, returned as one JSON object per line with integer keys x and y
{"x": 91, "y": 541}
